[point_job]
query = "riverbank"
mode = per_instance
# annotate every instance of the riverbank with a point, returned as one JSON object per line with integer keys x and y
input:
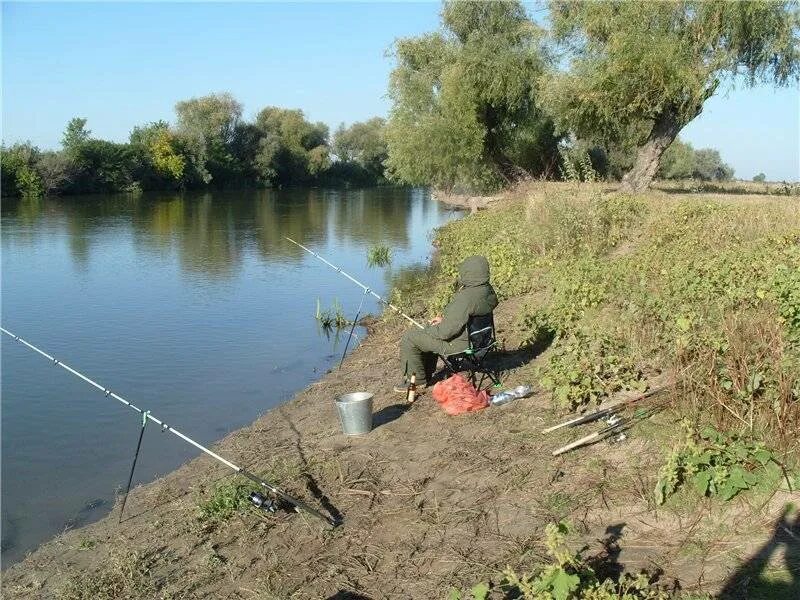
{"x": 431, "y": 502}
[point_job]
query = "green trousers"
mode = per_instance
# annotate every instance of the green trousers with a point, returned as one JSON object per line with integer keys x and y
{"x": 419, "y": 351}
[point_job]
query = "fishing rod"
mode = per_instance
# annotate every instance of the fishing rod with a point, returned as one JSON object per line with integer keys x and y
{"x": 607, "y": 409}
{"x": 614, "y": 425}
{"x": 359, "y": 284}
{"x": 298, "y": 505}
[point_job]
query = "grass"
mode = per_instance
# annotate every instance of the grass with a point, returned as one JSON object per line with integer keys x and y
{"x": 379, "y": 256}
{"x": 331, "y": 318}
{"x": 86, "y": 544}
{"x": 635, "y": 285}
{"x": 768, "y": 188}
{"x": 627, "y": 287}
{"x": 123, "y": 576}
{"x": 227, "y": 499}
{"x": 231, "y": 496}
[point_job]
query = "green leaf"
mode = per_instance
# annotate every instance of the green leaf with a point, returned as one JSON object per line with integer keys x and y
{"x": 701, "y": 482}
{"x": 659, "y": 492}
{"x": 480, "y": 591}
{"x": 711, "y": 434}
{"x": 564, "y": 584}
{"x": 762, "y": 456}
{"x": 750, "y": 478}
{"x": 454, "y": 594}
{"x": 728, "y": 490}
{"x": 737, "y": 479}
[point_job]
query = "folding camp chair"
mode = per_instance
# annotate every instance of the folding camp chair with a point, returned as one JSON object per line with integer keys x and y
{"x": 480, "y": 330}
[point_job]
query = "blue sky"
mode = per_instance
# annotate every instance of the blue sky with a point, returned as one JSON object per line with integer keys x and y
{"x": 122, "y": 64}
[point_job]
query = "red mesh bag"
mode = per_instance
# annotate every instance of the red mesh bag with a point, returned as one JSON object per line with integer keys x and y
{"x": 456, "y": 396}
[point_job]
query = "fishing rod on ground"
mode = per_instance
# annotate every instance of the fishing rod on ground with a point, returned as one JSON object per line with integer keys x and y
{"x": 256, "y": 498}
{"x": 366, "y": 289}
{"x": 614, "y": 427}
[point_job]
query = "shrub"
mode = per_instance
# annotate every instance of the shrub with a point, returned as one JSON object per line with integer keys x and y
{"x": 585, "y": 368}
{"x": 568, "y": 576}
{"x": 715, "y": 464}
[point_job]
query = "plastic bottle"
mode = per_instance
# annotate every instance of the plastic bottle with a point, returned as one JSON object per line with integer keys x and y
{"x": 508, "y": 395}
{"x": 523, "y": 391}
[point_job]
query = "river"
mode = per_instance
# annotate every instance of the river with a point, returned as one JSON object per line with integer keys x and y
{"x": 192, "y": 306}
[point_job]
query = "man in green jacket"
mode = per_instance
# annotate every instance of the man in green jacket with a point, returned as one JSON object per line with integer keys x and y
{"x": 448, "y": 334}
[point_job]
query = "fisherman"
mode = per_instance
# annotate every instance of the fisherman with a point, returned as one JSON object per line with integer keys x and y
{"x": 420, "y": 348}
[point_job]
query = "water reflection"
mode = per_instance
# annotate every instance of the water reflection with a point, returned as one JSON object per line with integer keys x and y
{"x": 192, "y": 305}
{"x": 209, "y": 232}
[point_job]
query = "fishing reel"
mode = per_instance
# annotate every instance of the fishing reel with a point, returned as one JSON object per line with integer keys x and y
{"x": 262, "y": 502}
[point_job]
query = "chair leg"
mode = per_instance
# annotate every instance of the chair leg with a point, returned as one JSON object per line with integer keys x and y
{"x": 480, "y": 383}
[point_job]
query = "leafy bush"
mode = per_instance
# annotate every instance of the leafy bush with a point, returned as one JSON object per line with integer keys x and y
{"x": 786, "y": 293}
{"x": 585, "y": 368}
{"x": 715, "y": 464}
{"x": 567, "y": 577}
{"x": 19, "y": 174}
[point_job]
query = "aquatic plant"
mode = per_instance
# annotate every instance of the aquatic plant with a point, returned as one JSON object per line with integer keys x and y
{"x": 379, "y": 256}
{"x": 331, "y": 318}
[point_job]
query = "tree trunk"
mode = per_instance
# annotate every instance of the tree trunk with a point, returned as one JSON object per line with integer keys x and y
{"x": 493, "y": 152}
{"x": 665, "y": 130}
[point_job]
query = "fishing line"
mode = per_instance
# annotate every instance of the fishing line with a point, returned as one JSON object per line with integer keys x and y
{"x": 298, "y": 505}
{"x": 353, "y": 328}
{"x": 359, "y": 284}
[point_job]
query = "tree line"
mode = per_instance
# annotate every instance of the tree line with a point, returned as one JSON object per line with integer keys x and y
{"x": 210, "y": 145}
{"x": 488, "y": 100}
{"x": 492, "y": 97}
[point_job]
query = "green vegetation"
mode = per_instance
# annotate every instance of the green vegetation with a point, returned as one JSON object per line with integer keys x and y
{"x": 482, "y": 104}
{"x": 626, "y": 287}
{"x": 210, "y": 145}
{"x": 583, "y": 369}
{"x": 568, "y": 576}
{"x": 760, "y": 178}
{"x": 361, "y": 151}
{"x": 379, "y": 256}
{"x": 464, "y": 111}
{"x": 681, "y": 161}
{"x": 331, "y": 318}
{"x": 716, "y": 464}
{"x": 640, "y": 72}
{"x": 227, "y": 499}
{"x": 485, "y": 101}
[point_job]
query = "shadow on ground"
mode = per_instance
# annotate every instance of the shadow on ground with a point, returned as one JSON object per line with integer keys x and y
{"x": 759, "y": 578}
{"x": 389, "y": 413}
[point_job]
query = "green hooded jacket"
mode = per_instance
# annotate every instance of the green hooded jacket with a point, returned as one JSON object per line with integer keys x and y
{"x": 476, "y": 297}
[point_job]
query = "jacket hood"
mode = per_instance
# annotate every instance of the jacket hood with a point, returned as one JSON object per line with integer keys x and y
{"x": 473, "y": 271}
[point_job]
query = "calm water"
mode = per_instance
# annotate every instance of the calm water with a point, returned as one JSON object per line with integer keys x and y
{"x": 192, "y": 306}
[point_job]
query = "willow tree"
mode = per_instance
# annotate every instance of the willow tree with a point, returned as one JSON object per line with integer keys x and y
{"x": 463, "y": 104}
{"x": 641, "y": 71}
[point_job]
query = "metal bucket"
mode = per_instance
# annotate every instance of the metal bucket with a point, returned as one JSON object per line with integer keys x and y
{"x": 355, "y": 412}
